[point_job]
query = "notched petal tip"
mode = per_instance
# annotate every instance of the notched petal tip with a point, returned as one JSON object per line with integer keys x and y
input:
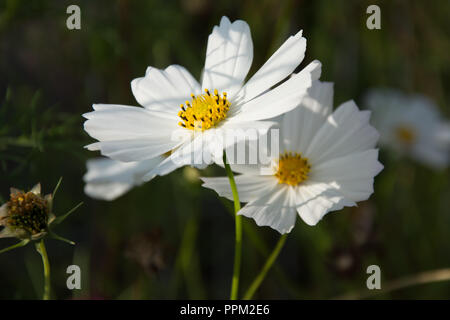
{"x": 224, "y": 21}
{"x": 315, "y": 68}
{"x": 299, "y": 34}
{"x": 93, "y": 146}
{"x": 87, "y": 115}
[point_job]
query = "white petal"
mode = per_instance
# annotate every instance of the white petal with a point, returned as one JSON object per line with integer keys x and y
{"x": 432, "y": 153}
{"x": 443, "y": 134}
{"x": 229, "y": 55}
{"x": 314, "y": 200}
{"x": 347, "y": 130}
{"x": 195, "y": 151}
{"x": 300, "y": 125}
{"x": 165, "y": 89}
{"x": 236, "y": 133}
{"x": 132, "y": 150}
{"x": 109, "y": 179}
{"x": 280, "y": 65}
{"x": 249, "y": 187}
{"x": 107, "y": 191}
{"x": 274, "y": 209}
{"x": 116, "y": 122}
{"x": 281, "y": 99}
{"x": 132, "y": 133}
{"x": 337, "y": 183}
{"x": 247, "y": 157}
{"x": 352, "y": 175}
{"x": 165, "y": 167}
{"x": 190, "y": 152}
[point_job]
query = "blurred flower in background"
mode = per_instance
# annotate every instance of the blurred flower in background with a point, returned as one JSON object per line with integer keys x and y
{"x": 410, "y": 125}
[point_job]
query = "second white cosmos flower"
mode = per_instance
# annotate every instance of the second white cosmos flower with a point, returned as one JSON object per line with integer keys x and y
{"x": 181, "y": 117}
{"x": 327, "y": 161}
{"x": 411, "y": 125}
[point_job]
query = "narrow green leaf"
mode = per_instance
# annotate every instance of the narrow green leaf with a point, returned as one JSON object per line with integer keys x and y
{"x": 64, "y": 216}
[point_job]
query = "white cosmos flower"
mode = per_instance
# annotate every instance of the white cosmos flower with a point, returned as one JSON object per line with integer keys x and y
{"x": 215, "y": 108}
{"x": 327, "y": 161}
{"x": 410, "y": 125}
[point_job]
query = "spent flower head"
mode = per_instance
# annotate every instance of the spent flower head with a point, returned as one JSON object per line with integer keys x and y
{"x": 26, "y": 215}
{"x": 29, "y": 216}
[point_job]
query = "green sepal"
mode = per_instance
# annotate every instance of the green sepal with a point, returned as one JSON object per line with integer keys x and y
{"x": 17, "y": 245}
{"x": 56, "y": 187}
{"x": 56, "y": 237}
{"x": 61, "y": 218}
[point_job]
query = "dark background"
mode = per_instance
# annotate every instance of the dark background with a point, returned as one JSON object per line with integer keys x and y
{"x": 170, "y": 238}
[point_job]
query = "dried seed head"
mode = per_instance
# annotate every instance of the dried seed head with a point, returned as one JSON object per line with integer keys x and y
{"x": 26, "y": 214}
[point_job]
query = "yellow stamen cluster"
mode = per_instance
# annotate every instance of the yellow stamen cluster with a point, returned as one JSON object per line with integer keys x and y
{"x": 405, "y": 134}
{"x": 204, "y": 111}
{"x": 27, "y": 211}
{"x": 292, "y": 169}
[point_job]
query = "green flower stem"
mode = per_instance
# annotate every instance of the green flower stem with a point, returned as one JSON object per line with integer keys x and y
{"x": 41, "y": 249}
{"x": 238, "y": 239}
{"x": 262, "y": 274}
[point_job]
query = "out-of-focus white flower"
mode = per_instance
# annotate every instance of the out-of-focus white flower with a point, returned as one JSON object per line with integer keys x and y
{"x": 443, "y": 134}
{"x": 186, "y": 118}
{"x": 327, "y": 161}
{"x": 411, "y": 125}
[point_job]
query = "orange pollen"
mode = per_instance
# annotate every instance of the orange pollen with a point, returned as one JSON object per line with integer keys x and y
{"x": 204, "y": 111}
{"x": 293, "y": 169}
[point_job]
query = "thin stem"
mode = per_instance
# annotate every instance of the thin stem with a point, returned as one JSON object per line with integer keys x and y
{"x": 41, "y": 249}
{"x": 262, "y": 274}
{"x": 238, "y": 239}
{"x": 262, "y": 248}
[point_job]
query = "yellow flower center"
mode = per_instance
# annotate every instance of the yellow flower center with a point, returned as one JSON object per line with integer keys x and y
{"x": 204, "y": 111}
{"x": 405, "y": 134}
{"x": 293, "y": 169}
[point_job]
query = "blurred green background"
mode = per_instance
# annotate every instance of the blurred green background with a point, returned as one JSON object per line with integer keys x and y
{"x": 170, "y": 238}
